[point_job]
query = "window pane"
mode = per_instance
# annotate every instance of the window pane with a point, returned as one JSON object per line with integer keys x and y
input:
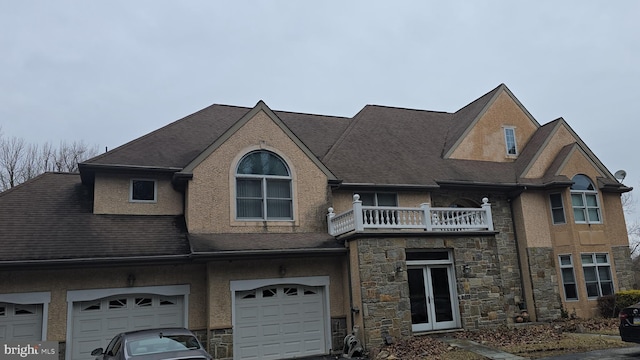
{"x": 368, "y": 199}
{"x": 279, "y": 189}
{"x": 594, "y": 215}
{"x": 581, "y": 182}
{"x": 262, "y": 163}
{"x": 579, "y": 216}
{"x": 586, "y": 258}
{"x": 576, "y": 200}
{"x": 604, "y": 273}
{"x": 558, "y": 216}
{"x": 570, "y": 291}
{"x": 602, "y": 258}
{"x": 278, "y": 209}
{"x": 249, "y": 188}
{"x": 591, "y": 200}
{"x": 556, "y": 200}
{"x": 592, "y": 289}
{"x": 607, "y": 288}
{"x": 143, "y": 190}
{"x": 387, "y": 199}
{"x": 565, "y": 260}
{"x": 567, "y": 276}
{"x": 590, "y": 274}
{"x": 249, "y": 208}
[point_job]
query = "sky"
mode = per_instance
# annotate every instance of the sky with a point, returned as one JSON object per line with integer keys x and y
{"x": 107, "y": 72}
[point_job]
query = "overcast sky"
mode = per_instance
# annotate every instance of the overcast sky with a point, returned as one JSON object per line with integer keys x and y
{"x": 106, "y": 72}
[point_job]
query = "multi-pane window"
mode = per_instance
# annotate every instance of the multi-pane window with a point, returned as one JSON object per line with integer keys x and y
{"x": 263, "y": 188}
{"x": 379, "y": 199}
{"x": 142, "y": 190}
{"x": 568, "y": 278}
{"x": 510, "y": 140}
{"x": 557, "y": 208}
{"x": 597, "y": 274}
{"x": 584, "y": 200}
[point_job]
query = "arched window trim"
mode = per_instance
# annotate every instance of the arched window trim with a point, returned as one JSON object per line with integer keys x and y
{"x": 585, "y": 201}
{"x": 263, "y": 197}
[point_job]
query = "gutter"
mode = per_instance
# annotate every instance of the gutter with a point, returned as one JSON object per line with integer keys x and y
{"x": 243, "y": 254}
{"x": 83, "y": 262}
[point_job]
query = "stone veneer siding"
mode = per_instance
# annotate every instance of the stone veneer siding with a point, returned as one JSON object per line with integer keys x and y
{"x": 623, "y": 267}
{"x": 485, "y": 295}
{"x": 544, "y": 282}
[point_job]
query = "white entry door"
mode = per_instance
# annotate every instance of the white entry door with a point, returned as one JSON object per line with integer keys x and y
{"x": 433, "y": 299}
{"x": 96, "y": 322}
{"x": 279, "y": 322}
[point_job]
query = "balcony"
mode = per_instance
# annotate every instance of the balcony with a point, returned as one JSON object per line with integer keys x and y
{"x": 424, "y": 218}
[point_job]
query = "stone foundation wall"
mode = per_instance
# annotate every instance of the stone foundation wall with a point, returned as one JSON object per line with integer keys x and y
{"x": 221, "y": 344}
{"x": 338, "y": 333}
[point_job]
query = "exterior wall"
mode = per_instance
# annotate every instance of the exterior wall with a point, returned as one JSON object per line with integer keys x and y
{"x": 485, "y": 141}
{"x": 211, "y": 193}
{"x": 486, "y": 294}
{"x": 111, "y": 196}
{"x": 561, "y": 138}
{"x": 59, "y": 281}
{"x": 545, "y": 282}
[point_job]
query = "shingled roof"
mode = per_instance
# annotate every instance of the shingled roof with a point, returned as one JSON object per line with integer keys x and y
{"x": 50, "y": 220}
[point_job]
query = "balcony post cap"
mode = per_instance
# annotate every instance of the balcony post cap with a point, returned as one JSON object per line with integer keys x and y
{"x": 485, "y": 200}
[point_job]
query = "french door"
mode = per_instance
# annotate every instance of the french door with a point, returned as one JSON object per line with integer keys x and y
{"x": 434, "y": 304}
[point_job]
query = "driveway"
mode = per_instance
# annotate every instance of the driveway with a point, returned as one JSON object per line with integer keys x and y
{"x": 608, "y": 354}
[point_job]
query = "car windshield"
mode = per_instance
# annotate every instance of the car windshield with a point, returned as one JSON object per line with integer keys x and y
{"x": 155, "y": 343}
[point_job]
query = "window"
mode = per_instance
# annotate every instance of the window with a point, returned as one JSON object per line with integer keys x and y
{"x": 584, "y": 199}
{"x": 142, "y": 190}
{"x": 263, "y": 188}
{"x": 510, "y": 140}
{"x": 557, "y": 209}
{"x": 597, "y": 274}
{"x": 568, "y": 278}
{"x": 379, "y": 199}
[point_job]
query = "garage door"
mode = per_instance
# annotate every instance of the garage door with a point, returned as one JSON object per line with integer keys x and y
{"x": 20, "y": 322}
{"x": 279, "y": 322}
{"x": 96, "y": 322}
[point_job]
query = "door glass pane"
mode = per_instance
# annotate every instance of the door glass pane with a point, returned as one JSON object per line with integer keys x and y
{"x": 417, "y": 296}
{"x": 427, "y": 255}
{"x": 441, "y": 294}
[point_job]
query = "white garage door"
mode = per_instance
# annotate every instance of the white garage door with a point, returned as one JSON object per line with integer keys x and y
{"x": 96, "y": 322}
{"x": 20, "y": 322}
{"x": 279, "y": 322}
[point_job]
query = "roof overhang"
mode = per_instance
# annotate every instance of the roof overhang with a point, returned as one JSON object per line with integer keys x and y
{"x": 88, "y": 171}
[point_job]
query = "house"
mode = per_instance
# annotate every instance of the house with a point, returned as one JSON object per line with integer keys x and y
{"x": 274, "y": 234}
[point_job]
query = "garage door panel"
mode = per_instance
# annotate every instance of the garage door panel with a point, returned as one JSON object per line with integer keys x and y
{"x": 20, "y": 322}
{"x": 289, "y": 322}
{"x": 96, "y": 322}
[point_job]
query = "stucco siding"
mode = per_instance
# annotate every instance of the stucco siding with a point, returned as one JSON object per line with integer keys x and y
{"x": 561, "y": 138}
{"x": 111, "y": 196}
{"x": 211, "y": 193}
{"x": 486, "y": 142}
{"x": 63, "y": 280}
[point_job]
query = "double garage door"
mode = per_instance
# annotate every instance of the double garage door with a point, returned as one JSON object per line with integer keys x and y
{"x": 96, "y": 322}
{"x": 279, "y": 322}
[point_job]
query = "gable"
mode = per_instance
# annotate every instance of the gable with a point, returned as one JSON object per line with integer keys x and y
{"x": 211, "y": 191}
{"x": 578, "y": 162}
{"x": 484, "y": 139}
{"x": 559, "y": 138}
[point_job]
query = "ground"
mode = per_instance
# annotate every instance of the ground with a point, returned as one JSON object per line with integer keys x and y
{"x": 526, "y": 340}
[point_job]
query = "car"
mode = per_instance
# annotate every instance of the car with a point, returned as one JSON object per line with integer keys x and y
{"x": 630, "y": 323}
{"x": 153, "y": 344}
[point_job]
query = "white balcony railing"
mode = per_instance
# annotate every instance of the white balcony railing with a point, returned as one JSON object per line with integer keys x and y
{"x": 425, "y": 217}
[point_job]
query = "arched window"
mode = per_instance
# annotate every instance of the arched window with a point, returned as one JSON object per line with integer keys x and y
{"x": 584, "y": 199}
{"x": 263, "y": 188}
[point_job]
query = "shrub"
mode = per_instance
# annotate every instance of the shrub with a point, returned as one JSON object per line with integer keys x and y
{"x": 607, "y": 306}
{"x": 626, "y": 298}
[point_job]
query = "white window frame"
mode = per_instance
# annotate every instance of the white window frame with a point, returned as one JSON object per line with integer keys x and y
{"x": 264, "y": 179}
{"x": 155, "y": 191}
{"x": 597, "y": 265}
{"x": 512, "y": 130}
{"x": 584, "y": 208}
{"x": 565, "y": 282}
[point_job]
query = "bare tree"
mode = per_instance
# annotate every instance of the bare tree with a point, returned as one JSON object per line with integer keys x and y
{"x": 20, "y": 161}
{"x": 633, "y": 226}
